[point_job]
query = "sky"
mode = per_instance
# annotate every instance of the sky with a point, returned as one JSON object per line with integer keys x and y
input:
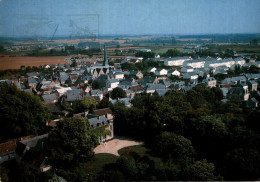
{"x": 53, "y": 18}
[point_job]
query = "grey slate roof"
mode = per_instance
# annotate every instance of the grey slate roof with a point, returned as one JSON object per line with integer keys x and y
{"x": 73, "y": 95}
{"x": 96, "y": 92}
{"x": 50, "y": 98}
{"x": 32, "y": 80}
{"x": 98, "y": 120}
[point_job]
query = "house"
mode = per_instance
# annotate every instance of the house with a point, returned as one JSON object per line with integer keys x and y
{"x": 7, "y": 150}
{"x": 103, "y": 119}
{"x": 165, "y": 83}
{"x": 111, "y": 84}
{"x": 32, "y": 74}
{"x": 102, "y": 79}
{"x": 173, "y": 73}
{"x": 136, "y": 88}
{"x": 73, "y": 95}
{"x": 50, "y": 98}
{"x": 225, "y": 88}
{"x": 31, "y": 82}
{"x": 125, "y": 84}
{"x": 161, "y": 92}
{"x": 104, "y": 125}
{"x": 46, "y": 85}
{"x": 219, "y": 71}
{"x": 151, "y": 88}
{"x": 234, "y": 80}
{"x": 177, "y": 85}
{"x": 190, "y": 75}
{"x": 144, "y": 50}
{"x": 61, "y": 90}
{"x": 187, "y": 88}
{"x": 177, "y": 61}
{"x": 253, "y": 103}
{"x": 186, "y": 69}
{"x": 97, "y": 94}
{"x": 252, "y": 85}
{"x": 53, "y": 108}
{"x": 197, "y": 63}
{"x": 252, "y": 76}
{"x": 107, "y": 112}
{"x": 24, "y": 152}
{"x": 25, "y": 145}
{"x": 63, "y": 77}
{"x": 211, "y": 82}
{"x": 130, "y": 93}
{"x": 125, "y": 101}
{"x": 148, "y": 79}
{"x": 240, "y": 61}
{"x": 224, "y": 62}
{"x": 161, "y": 72}
{"x": 129, "y": 59}
{"x": 151, "y": 70}
{"x": 137, "y": 74}
{"x": 119, "y": 75}
{"x": 46, "y": 66}
{"x": 201, "y": 71}
{"x": 237, "y": 94}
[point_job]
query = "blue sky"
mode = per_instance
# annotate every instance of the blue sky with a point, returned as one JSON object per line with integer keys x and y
{"x": 92, "y": 17}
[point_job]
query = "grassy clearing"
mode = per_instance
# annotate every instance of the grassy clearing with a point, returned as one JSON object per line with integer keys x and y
{"x": 142, "y": 151}
{"x": 99, "y": 161}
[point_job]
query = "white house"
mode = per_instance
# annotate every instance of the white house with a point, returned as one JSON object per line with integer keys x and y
{"x": 173, "y": 73}
{"x": 225, "y": 62}
{"x": 177, "y": 61}
{"x": 197, "y": 63}
{"x": 211, "y": 82}
{"x": 160, "y": 72}
{"x": 190, "y": 75}
{"x": 119, "y": 75}
{"x": 111, "y": 84}
{"x": 151, "y": 70}
{"x": 240, "y": 61}
{"x": 186, "y": 69}
{"x": 128, "y": 59}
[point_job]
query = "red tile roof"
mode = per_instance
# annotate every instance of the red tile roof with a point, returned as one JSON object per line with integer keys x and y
{"x": 8, "y": 147}
{"x": 101, "y": 112}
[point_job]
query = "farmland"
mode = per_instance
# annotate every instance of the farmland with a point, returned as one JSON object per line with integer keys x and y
{"x": 7, "y": 62}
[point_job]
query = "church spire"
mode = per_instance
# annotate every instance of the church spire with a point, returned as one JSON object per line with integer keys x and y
{"x": 105, "y": 63}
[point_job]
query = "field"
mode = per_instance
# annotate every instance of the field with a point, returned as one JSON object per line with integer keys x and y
{"x": 7, "y": 62}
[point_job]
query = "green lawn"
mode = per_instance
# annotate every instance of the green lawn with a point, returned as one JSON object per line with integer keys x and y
{"x": 99, "y": 161}
{"x": 142, "y": 151}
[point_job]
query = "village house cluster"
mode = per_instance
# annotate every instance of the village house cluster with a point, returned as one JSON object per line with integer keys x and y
{"x": 67, "y": 84}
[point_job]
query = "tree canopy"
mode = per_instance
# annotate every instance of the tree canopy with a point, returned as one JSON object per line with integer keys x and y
{"x": 118, "y": 93}
{"x": 21, "y": 113}
{"x": 71, "y": 141}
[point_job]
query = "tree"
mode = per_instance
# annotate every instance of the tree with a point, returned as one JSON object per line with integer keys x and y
{"x": 95, "y": 84}
{"x": 128, "y": 166}
{"x": 74, "y": 63}
{"x": 242, "y": 164}
{"x": 173, "y": 53}
{"x": 21, "y": 113}
{"x": 174, "y": 148}
{"x": 203, "y": 171}
{"x": 84, "y": 105}
{"x": 71, "y": 141}
{"x": 118, "y": 93}
{"x": 254, "y": 42}
{"x": 104, "y": 103}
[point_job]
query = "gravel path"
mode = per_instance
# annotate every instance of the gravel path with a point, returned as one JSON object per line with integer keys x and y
{"x": 114, "y": 145}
